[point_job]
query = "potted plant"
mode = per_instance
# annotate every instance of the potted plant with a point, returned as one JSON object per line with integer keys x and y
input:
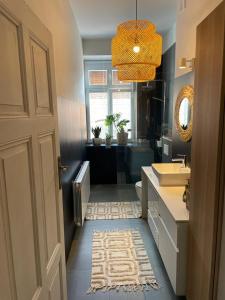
{"x": 96, "y": 132}
{"x": 115, "y": 120}
{"x": 122, "y": 137}
{"x": 108, "y": 139}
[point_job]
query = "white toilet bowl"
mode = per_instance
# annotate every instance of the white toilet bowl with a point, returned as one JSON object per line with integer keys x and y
{"x": 138, "y": 187}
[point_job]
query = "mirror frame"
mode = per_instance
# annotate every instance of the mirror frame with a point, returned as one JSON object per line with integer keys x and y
{"x": 186, "y": 92}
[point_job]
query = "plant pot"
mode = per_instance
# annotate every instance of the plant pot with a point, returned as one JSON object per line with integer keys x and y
{"x": 108, "y": 142}
{"x": 122, "y": 138}
{"x": 97, "y": 141}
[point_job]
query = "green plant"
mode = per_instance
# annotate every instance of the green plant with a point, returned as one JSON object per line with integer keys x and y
{"x": 96, "y": 131}
{"x": 114, "y": 120}
{"x": 108, "y": 136}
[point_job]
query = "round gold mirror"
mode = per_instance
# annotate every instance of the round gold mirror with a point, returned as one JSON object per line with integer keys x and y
{"x": 184, "y": 112}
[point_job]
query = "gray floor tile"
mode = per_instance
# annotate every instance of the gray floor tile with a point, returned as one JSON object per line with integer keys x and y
{"x": 114, "y": 295}
{"x": 136, "y": 296}
{"x": 78, "y": 284}
{"x": 79, "y": 262}
{"x": 110, "y": 193}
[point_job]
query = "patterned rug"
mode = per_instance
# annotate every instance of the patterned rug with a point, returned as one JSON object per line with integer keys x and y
{"x": 120, "y": 261}
{"x": 113, "y": 210}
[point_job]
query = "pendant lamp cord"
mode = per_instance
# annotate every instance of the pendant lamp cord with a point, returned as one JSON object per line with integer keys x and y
{"x": 136, "y": 21}
{"x": 136, "y": 9}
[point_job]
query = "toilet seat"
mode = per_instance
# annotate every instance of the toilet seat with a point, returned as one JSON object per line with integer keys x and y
{"x": 138, "y": 184}
{"x": 138, "y": 187}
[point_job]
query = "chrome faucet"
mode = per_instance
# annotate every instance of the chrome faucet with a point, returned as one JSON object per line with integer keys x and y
{"x": 182, "y": 158}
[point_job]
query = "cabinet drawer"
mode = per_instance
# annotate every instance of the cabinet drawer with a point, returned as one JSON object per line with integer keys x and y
{"x": 153, "y": 199}
{"x": 153, "y": 227}
{"x": 168, "y": 220}
{"x": 169, "y": 253}
{"x": 152, "y": 194}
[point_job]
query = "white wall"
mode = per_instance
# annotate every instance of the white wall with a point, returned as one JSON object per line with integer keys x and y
{"x": 97, "y": 46}
{"x": 187, "y": 21}
{"x": 169, "y": 38}
{"x": 102, "y": 46}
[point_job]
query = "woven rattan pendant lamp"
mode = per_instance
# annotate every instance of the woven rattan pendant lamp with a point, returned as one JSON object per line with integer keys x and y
{"x": 136, "y": 50}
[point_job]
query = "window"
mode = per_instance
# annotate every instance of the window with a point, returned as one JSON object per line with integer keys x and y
{"x": 97, "y": 77}
{"x": 98, "y": 106}
{"x": 115, "y": 80}
{"x": 121, "y": 102}
{"x": 105, "y": 94}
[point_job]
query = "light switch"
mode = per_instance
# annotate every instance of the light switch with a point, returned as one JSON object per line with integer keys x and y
{"x": 166, "y": 149}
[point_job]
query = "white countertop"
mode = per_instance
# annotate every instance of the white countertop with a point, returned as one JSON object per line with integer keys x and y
{"x": 172, "y": 196}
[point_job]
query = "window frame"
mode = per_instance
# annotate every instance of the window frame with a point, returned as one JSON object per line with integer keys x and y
{"x": 97, "y": 85}
{"x": 98, "y": 65}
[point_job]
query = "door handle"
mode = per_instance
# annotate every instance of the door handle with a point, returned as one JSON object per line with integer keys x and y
{"x": 61, "y": 169}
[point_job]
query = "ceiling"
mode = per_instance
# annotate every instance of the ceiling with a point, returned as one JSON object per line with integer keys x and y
{"x": 99, "y": 18}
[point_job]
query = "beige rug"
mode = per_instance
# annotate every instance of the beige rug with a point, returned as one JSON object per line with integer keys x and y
{"x": 113, "y": 210}
{"x": 120, "y": 261}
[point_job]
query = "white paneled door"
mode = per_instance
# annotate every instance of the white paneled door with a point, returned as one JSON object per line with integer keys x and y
{"x": 32, "y": 262}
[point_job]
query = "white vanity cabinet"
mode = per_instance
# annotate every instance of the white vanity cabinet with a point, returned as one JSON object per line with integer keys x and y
{"x": 168, "y": 219}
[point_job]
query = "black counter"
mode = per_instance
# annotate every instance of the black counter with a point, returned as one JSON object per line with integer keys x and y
{"x": 118, "y": 164}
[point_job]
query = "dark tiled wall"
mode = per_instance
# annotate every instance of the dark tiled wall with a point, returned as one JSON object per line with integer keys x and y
{"x": 173, "y": 85}
{"x": 150, "y": 113}
{"x": 168, "y": 73}
{"x": 180, "y": 147}
{"x": 167, "y": 145}
{"x": 153, "y": 119}
{"x": 72, "y": 126}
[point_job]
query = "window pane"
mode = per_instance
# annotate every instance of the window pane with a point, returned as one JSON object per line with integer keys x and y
{"x": 121, "y": 102}
{"x": 97, "y": 77}
{"x": 98, "y": 110}
{"x": 115, "y": 80}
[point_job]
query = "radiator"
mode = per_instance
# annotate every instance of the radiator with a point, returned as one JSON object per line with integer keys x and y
{"x": 81, "y": 193}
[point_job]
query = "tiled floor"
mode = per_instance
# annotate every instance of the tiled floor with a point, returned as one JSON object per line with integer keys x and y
{"x": 79, "y": 263}
{"x": 120, "y": 192}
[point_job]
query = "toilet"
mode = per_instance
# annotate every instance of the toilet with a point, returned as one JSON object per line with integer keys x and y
{"x": 138, "y": 187}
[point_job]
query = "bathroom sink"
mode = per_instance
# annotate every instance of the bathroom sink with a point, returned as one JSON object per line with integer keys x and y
{"x": 171, "y": 174}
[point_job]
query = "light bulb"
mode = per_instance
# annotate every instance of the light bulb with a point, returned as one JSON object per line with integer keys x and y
{"x": 136, "y": 49}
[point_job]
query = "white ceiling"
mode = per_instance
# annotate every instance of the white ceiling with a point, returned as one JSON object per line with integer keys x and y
{"x": 99, "y": 18}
